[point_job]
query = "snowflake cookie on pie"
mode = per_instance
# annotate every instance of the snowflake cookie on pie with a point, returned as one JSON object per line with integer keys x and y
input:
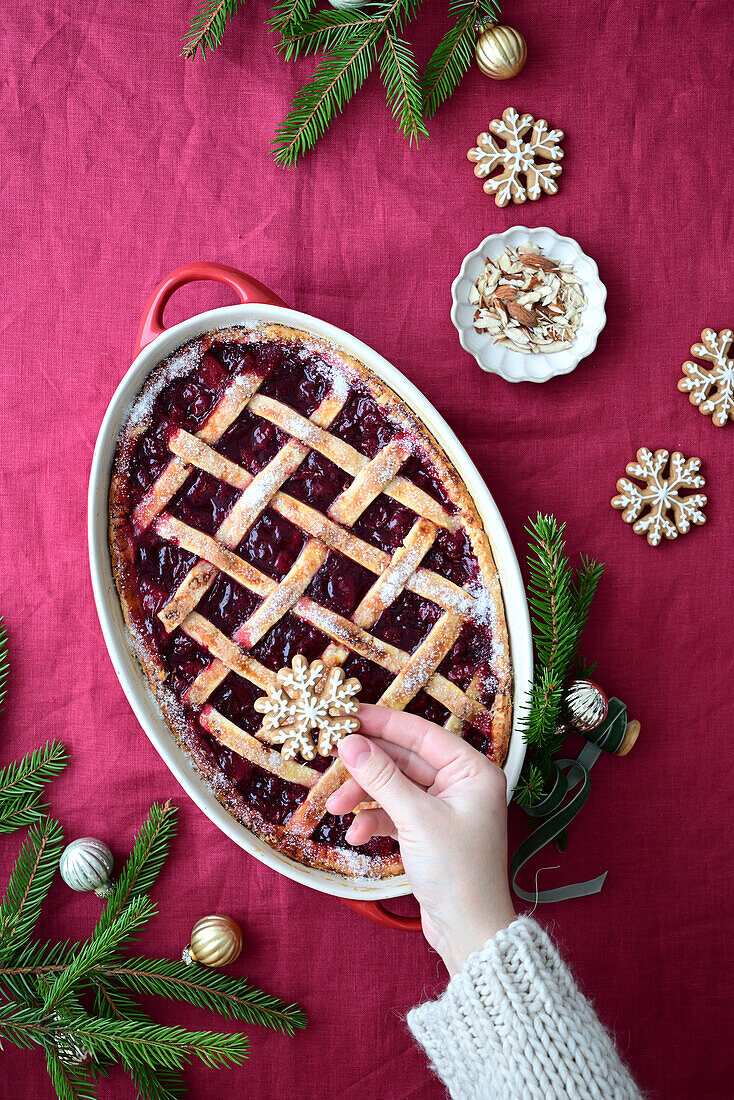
{"x": 306, "y": 698}
{"x": 525, "y": 165}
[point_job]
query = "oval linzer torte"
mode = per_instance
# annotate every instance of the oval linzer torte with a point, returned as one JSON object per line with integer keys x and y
{"x": 270, "y": 497}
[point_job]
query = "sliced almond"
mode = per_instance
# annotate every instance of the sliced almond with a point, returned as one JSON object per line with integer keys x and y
{"x": 524, "y": 316}
{"x": 542, "y": 263}
{"x": 505, "y": 293}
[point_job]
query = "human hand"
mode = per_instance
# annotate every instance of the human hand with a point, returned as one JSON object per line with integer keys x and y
{"x": 446, "y": 804}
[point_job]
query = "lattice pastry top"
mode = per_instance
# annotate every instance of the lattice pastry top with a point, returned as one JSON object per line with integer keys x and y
{"x": 271, "y": 497}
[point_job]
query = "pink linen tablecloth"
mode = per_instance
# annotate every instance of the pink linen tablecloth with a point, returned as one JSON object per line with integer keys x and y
{"x": 121, "y": 162}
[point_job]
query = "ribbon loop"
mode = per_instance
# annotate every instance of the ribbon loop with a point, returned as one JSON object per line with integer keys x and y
{"x": 559, "y": 813}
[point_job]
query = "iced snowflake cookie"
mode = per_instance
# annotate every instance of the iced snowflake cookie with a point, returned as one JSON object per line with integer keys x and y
{"x": 308, "y": 697}
{"x": 662, "y": 507}
{"x": 513, "y": 171}
{"x": 711, "y": 388}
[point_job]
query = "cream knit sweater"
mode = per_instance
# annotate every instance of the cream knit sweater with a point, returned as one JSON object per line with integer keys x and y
{"x": 512, "y": 1024}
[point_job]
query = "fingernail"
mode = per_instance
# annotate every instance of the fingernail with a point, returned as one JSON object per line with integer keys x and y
{"x": 355, "y": 751}
{"x": 329, "y": 802}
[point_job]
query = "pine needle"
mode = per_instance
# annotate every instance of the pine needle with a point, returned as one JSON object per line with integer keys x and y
{"x": 134, "y": 1043}
{"x": 584, "y": 588}
{"x": 289, "y": 14}
{"x": 22, "y": 782}
{"x": 70, "y": 1082}
{"x": 333, "y": 84}
{"x": 232, "y": 998}
{"x": 117, "y": 1004}
{"x": 207, "y": 27}
{"x": 29, "y": 884}
{"x": 19, "y": 974}
{"x": 454, "y": 53}
{"x": 99, "y": 948}
{"x": 145, "y": 862}
{"x": 325, "y": 32}
{"x": 400, "y": 77}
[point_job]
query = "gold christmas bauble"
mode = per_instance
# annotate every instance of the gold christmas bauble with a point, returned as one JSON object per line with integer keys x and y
{"x": 215, "y": 941}
{"x": 500, "y": 52}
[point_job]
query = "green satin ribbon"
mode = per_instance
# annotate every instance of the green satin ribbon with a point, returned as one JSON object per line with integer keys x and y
{"x": 557, "y": 811}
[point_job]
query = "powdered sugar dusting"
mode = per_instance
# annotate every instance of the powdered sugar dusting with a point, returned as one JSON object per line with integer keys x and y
{"x": 181, "y": 363}
{"x": 486, "y": 611}
{"x": 341, "y": 383}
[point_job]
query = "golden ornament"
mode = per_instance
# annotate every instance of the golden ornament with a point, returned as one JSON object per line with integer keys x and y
{"x": 500, "y": 51}
{"x": 215, "y": 941}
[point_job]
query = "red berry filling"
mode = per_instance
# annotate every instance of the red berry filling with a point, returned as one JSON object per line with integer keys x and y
{"x": 407, "y": 621}
{"x": 289, "y": 637}
{"x": 363, "y": 424}
{"x": 251, "y": 442}
{"x": 317, "y": 482}
{"x": 272, "y": 544}
{"x": 385, "y": 523}
{"x": 227, "y": 604}
{"x": 340, "y": 584}
{"x": 203, "y": 502}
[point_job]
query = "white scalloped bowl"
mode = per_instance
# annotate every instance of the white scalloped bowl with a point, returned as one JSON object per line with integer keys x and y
{"x": 513, "y": 366}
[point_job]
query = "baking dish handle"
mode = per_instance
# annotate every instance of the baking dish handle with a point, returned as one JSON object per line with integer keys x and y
{"x": 246, "y": 288}
{"x": 376, "y": 911}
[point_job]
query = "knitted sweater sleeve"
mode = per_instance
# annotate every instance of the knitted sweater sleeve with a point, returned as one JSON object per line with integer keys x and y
{"x": 513, "y": 1024}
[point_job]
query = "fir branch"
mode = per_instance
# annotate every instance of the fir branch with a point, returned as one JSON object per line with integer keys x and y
{"x": 99, "y": 948}
{"x": 24, "y": 812}
{"x": 160, "y": 1084}
{"x": 22, "y": 782}
{"x": 207, "y": 27}
{"x": 339, "y": 76}
{"x": 232, "y": 998}
{"x": 29, "y": 884}
{"x": 529, "y": 786}
{"x": 400, "y": 77}
{"x": 450, "y": 60}
{"x": 145, "y": 862}
{"x": 157, "y": 1084}
{"x": 559, "y": 605}
{"x": 70, "y": 1082}
{"x": 20, "y": 973}
{"x": 584, "y": 669}
{"x": 550, "y": 593}
{"x": 134, "y": 1043}
{"x": 159, "y": 1046}
{"x": 584, "y": 588}
{"x": 289, "y": 14}
{"x": 454, "y": 53}
{"x": 333, "y": 84}
{"x": 324, "y": 32}
{"x": 4, "y": 662}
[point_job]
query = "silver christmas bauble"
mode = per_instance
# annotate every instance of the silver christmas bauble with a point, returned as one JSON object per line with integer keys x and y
{"x": 347, "y": 5}
{"x": 71, "y": 1051}
{"x": 586, "y": 705}
{"x": 86, "y": 864}
{"x": 215, "y": 941}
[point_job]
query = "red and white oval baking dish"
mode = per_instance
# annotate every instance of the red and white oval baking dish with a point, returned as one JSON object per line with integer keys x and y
{"x": 154, "y": 343}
